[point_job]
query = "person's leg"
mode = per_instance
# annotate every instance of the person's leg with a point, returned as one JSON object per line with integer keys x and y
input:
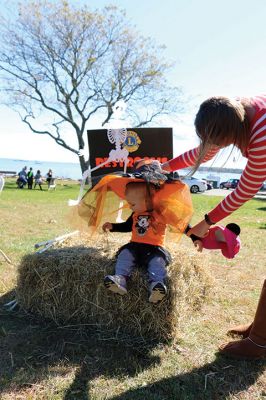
{"x": 124, "y": 265}
{"x": 157, "y": 274}
{"x": 20, "y": 183}
{"x": 254, "y": 346}
{"x": 25, "y": 181}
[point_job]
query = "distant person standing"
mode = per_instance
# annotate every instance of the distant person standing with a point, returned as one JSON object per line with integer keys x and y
{"x": 38, "y": 179}
{"x": 22, "y": 178}
{"x": 49, "y": 177}
{"x": 30, "y": 178}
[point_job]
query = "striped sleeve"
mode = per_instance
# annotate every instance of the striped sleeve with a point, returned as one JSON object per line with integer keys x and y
{"x": 252, "y": 177}
{"x": 189, "y": 158}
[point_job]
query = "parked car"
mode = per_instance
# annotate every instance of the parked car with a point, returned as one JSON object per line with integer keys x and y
{"x": 195, "y": 185}
{"x": 230, "y": 184}
{"x": 263, "y": 186}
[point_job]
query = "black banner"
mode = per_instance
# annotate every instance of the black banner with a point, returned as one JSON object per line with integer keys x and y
{"x": 148, "y": 143}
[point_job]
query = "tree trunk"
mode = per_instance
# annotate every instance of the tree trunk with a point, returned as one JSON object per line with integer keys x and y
{"x": 83, "y": 164}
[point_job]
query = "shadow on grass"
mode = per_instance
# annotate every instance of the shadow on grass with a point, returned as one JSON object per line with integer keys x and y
{"x": 261, "y": 208}
{"x": 219, "y": 379}
{"x": 32, "y": 352}
{"x": 263, "y": 199}
{"x": 263, "y": 226}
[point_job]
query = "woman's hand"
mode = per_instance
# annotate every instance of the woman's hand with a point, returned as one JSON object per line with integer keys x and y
{"x": 201, "y": 229}
{"x": 166, "y": 167}
{"x": 199, "y": 246}
{"x": 107, "y": 226}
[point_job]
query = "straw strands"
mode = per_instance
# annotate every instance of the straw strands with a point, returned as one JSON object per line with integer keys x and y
{"x": 65, "y": 284}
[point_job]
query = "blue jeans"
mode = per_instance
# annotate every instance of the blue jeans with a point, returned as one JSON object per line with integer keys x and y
{"x": 156, "y": 266}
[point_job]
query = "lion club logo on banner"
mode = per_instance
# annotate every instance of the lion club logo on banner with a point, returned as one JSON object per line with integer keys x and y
{"x": 132, "y": 141}
{"x": 109, "y": 148}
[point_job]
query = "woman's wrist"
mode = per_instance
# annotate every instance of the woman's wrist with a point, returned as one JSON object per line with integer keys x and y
{"x": 208, "y": 220}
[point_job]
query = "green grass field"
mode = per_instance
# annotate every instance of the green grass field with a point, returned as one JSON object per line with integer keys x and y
{"x": 39, "y": 360}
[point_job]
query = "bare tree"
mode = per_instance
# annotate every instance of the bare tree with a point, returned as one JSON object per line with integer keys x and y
{"x": 60, "y": 65}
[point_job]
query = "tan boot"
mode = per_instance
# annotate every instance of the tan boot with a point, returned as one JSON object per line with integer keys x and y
{"x": 254, "y": 346}
{"x": 241, "y": 330}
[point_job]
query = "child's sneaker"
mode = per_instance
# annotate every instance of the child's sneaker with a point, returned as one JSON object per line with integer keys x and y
{"x": 116, "y": 283}
{"x": 157, "y": 292}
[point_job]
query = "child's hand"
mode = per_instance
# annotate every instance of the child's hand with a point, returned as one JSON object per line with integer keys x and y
{"x": 199, "y": 246}
{"x": 107, "y": 226}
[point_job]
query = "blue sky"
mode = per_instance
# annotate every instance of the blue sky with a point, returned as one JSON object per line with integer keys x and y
{"x": 218, "y": 47}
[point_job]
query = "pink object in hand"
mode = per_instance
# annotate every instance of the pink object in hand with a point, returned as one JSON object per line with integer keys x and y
{"x": 229, "y": 248}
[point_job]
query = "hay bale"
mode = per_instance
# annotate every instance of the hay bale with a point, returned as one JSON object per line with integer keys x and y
{"x": 66, "y": 285}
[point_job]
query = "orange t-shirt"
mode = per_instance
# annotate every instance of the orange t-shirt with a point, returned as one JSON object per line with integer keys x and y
{"x": 148, "y": 228}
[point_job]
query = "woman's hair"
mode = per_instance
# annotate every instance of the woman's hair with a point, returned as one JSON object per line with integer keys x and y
{"x": 221, "y": 121}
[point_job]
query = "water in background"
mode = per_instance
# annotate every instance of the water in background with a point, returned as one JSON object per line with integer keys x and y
{"x": 60, "y": 169}
{"x": 73, "y": 171}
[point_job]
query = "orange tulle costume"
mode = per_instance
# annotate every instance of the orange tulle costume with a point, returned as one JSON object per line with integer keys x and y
{"x": 171, "y": 201}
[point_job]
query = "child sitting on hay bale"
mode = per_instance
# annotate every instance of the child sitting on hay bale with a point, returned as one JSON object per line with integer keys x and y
{"x": 65, "y": 284}
{"x": 156, "y": 203}
{"x": 146, "y": 245}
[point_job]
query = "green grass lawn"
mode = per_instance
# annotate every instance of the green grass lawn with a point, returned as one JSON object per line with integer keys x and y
{"x": 39, "y": 360}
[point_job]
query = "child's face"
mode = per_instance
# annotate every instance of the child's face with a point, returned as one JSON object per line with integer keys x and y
{"x": 136, "y": 199}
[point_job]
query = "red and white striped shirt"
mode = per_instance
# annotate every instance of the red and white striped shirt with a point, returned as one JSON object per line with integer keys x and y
{"x": 254, "y": 173}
